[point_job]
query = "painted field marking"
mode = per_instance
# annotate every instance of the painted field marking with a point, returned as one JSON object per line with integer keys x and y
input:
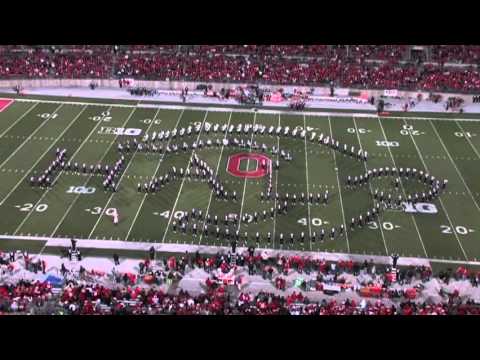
{"x": 403, "y": 189}
{"x": 245, "y": 182}
{"x": 30, "y": 136}
{"x": 455, "y": 165}
{"x": 58, "y": 175}
{"x": 308, "y": 187}
{"x": 276, "y": 188}
{"x": 440, "y": 199}
{"x": 16, "y": 121}
{"x": 121, "y": 176}
{"x": 5, "y": 103}
{"x": 183, "y": 181}
{"x": 156, "y": 170}
{"x": 36, "y": 163}
{"x": 369, "y": 185}
{"x": 339, "y": 188}
{"x": 372, "y": 114}
{"x": 89, "y": 177}
{"x": 216, "y": 174}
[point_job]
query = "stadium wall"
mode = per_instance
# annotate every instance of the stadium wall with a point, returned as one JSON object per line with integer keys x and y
{"x": 178, "y": 85}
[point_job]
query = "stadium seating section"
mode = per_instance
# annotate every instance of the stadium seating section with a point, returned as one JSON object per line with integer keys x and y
{"x": 356, "y": 66}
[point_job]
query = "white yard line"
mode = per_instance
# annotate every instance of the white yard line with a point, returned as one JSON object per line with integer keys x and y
{"x": 121, "y": 176}
{"x": 20, "y": 118}
{"x": 370, "y": 187}
{"x": 183, "y": 181}
{"x": 439, "y": 198}
{"x": 455, "y": 165}
{"x": 468, "y": 139}
{"x": 78, "y": 196}
{"x": 156, "y": 169}
{"x": 276, "y": 189}
{"x": 58, "y": 175}
{"x": 308, "y": 187}
{"x": 36, "y": 163}
{"x": 403, "y": 189}
{"x": 30, "y": 136}
{"x": 216, "y": 173}
{"x": 84, "y": 184}
{"x": 245, "y": 182}
{"x": 339, "y": 188}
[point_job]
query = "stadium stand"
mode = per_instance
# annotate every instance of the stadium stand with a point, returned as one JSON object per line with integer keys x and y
{"x": 358, "y": 66}
{"x": 130, "y": 293}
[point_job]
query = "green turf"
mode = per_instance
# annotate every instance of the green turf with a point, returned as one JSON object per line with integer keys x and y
{"x": 447, "y": 149}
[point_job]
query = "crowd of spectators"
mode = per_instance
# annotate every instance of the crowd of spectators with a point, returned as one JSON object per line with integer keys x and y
{"x": 88, "y": 299}
{"x": 463, "y": 54}
{"x": 134, "y": 294}
{"x": 272, "y": 64}
{"x": 40, "y": 64}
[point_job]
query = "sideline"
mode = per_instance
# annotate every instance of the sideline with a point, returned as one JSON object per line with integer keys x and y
{"x": 204, "y": 249}
{"x": 260, "y": 111}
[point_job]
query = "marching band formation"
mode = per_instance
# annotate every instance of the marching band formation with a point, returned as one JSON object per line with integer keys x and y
{"x": 211, "y": 225}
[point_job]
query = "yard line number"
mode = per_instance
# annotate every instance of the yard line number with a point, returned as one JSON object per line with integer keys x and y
{"x": 97, "y": 210}
{"x": 47, "y": 115}
{"x": 360, "y": 131}
{"x": 462, "y": 134}
{"x": 315, "y": 221}
{"x": 104, "y": 117}
{"x": 385, "y": 225}
{"x": 461, "y": 230}
{"x": 29, "y": 206}
{"x": 409, "y": 130}
{"x": 177, "y": 214}
{"x": 149, "y": 121}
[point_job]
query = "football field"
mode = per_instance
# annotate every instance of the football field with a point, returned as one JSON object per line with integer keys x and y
{"x": 446, "y": 228}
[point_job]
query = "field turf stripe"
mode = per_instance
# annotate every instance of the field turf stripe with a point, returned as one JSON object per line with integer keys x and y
{"x": 134, "y": 158}
{"x": 78, "y": 221}
{"x": 149, "y": 225}
{"x": 436, "y": 169}
{"x": 52, "y": 195}
{"x": 17, "y": 111}
{"x": 20, "y": 134}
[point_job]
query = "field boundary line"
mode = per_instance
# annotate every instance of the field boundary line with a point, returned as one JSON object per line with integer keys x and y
{"x": 18, "y": 119}
{"x": 59, "y": 173}
{"x": 216, "y": 174}
{"x": 369, "y": 185}
{"x": 339, "y": 187}
{"x": 403, "y": 189}
{"x": 308, "y": 187}
{"x": 181, "y": 248}
{"x": 121, "y": 176}
{"x": 184, "y": 177}
{"x": 154, "y": 173}
{"x": 455, "y": 166}
{"x": 439, "y": 198}
{"x": 30, "y": 136}
{"x": 245, "y": 182}
{"x": 285, "y": 111}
